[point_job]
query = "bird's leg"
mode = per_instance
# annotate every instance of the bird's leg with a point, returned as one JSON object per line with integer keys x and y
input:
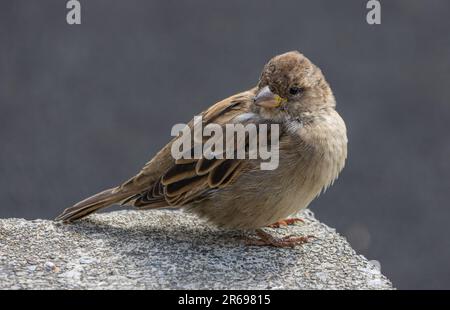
{"x": 266, "y": 239}
{"x": 286, "y": 222}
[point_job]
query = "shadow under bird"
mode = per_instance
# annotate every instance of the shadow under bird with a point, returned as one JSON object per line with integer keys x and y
{"x": 235, "y": 193}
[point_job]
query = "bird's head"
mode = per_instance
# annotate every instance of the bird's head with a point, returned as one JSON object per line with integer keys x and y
{"x": 290, "y": 85}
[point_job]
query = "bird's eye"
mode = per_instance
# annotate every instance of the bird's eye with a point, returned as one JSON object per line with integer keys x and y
{"x": 295, "y": 90}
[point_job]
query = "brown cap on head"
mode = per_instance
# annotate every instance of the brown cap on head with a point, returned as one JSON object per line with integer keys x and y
{"x": 291, "y": 82}
{"x": 289, "y": 69}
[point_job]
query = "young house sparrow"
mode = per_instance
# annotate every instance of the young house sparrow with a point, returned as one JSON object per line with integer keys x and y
{"x": 236, "y": 193}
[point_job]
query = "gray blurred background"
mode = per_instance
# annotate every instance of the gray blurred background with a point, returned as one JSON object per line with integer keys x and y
{"x": 83, "y": 107}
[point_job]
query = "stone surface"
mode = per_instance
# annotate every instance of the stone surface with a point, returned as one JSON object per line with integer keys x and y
{"x": 174, "y": 250}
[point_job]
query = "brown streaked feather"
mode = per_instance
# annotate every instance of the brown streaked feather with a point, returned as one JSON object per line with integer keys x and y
{"x": 185, "y": 185}
{"x": 145, "y": 200}
{"x": 179, "y": 172}
{"x": 154, "y": 205}
{"x": 221, "y": 108}
{"x": 189, "y": 180}
{"x": 174, "y": 201}
{"x": 164, "y": 181}
{"x": 231, "y": 177}
{"x": 222, "y": 171}
{"x": 91, "y": 204}
{"x": 205, "y": 166}
{"x": 182, "y": 161}
{"x": 156, "y": 189}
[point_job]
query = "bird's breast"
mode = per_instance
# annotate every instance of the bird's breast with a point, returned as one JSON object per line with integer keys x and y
{"x": 323, "y": 142}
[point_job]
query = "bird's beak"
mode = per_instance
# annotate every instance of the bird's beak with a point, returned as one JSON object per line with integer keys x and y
{"x": 266, "y": 99}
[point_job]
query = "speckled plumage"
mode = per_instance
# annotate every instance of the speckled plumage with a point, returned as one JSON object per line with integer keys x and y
{"x": 236, "y": 193}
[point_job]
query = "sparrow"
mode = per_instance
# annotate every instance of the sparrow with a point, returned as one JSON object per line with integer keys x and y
{"x": 235, "y": 193}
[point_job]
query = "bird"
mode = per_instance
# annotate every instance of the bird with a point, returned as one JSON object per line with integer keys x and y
{"x": 231, "y": 193}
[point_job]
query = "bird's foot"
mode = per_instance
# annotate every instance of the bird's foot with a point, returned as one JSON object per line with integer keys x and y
{"x": 286, "y": 222}
{"x": 266, "y": 239}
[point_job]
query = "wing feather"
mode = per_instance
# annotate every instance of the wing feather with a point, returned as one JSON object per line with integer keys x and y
{"x": 183, "y": 181}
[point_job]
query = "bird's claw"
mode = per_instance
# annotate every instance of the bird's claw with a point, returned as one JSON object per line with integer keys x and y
{"x": 265, "y": 239}
{"x": 286, "y": 222}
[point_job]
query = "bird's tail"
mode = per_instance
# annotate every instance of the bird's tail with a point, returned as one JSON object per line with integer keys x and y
{"x": 92, "y": 204}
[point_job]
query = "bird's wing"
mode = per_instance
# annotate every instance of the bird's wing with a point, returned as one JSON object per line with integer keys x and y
{"x": 164, "y": 181}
